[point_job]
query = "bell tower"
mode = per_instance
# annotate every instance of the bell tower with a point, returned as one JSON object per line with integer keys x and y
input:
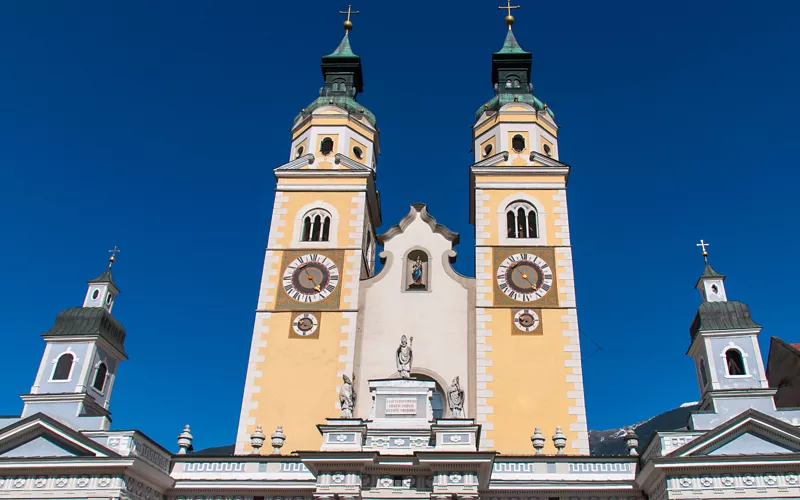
{"x": 82, "y": 354}
{"x": 321, "y": 243}
{"x": 528, "y": 350}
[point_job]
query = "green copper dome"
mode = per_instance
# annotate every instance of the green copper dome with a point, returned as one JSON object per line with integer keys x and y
{"x": 348, "y": 104}
{"x": 500, "y": 100}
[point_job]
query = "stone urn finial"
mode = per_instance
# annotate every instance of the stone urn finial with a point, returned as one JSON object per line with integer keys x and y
{"x": 257, "y": 440}
{"x": 631, "y": 442}
{"x": 185, "y": 441}
{"x": 538, "y": 440}
{"x": 278, "y": 438}
{"x": 559, "y": 440}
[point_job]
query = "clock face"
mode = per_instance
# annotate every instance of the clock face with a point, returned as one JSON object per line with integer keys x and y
{"x": 310, "y": 278}
{"x": 305, "y": 324}
{"x": 526, "y": 320}
{"x": 524, "y": 277}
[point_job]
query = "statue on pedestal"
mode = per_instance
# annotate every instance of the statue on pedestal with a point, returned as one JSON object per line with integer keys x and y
{"x": 405, "y": 356}
{"x": 347, "y": 396}
{"x": 456, "y": 399}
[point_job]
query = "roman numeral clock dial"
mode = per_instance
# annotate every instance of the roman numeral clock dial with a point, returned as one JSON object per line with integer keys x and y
{"x": 310, "y": 278}
{"x": 524, "y": 277}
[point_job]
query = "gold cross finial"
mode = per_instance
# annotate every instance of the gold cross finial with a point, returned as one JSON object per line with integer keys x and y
{"x": 348, "y": 24}
{"x": 703, "y": 245}
{"x": 509, "y": 17}
{"x": 113, "y": 257}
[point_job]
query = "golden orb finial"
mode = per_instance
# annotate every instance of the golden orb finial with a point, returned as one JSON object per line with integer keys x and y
{"x": 348, "y": 24}
{"x": 113, "y": 257}
{"x": 509, "y": 17}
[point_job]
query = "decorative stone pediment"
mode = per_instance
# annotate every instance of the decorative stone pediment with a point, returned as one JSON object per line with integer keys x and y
{"x": 43, "y": 436}
{"x": 751, "y": 433}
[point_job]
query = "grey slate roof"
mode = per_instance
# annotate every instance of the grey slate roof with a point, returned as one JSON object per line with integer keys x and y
{"x": 106, "y": 277}
{"x": 709, "y": 272}
{"x": 728, "y": 315}
{"x": 88, "y": 321}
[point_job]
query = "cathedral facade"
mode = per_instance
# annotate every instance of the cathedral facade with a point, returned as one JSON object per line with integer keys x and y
{"x": 379, "y": 412}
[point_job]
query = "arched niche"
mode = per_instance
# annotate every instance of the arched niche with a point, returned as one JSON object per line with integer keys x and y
{"x": 416, "y": 274}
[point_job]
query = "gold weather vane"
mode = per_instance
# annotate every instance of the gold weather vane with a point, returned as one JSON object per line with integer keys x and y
{"x": 113, "y": 257}
{"x": 348, "y": 24}
{"x": 703, "y": 245}
{"x": 509, "y": 17}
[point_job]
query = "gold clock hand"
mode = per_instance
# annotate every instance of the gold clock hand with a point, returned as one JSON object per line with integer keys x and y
{"x": 312, "y": 280}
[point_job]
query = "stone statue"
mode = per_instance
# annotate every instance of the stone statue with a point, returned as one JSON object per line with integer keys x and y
{"x": 456, "y": 399}
{"x": 416, "y": 272}
{"x": 405, "y": 356}
{"x": 347, "y": 396}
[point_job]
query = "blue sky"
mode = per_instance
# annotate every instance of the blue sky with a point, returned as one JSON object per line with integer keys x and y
{"x": 155, "y": 126}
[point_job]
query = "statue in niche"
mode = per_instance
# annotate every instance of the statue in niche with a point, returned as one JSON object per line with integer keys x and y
{"x": 456, "y": 399}
{"x": 416, "y": 272}
{"x": 404, "y": 356}
{"x": 347, "y": 396}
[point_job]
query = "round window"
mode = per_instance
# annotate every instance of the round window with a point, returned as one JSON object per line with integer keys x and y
{"x": 109, "y": 298}
{"x": 95, "y": 294}
{"x": 547, "y": 150}
{"x": 299, "y": 152}
{"x": 518, "y": 144}
{"x": 358, "y": 153}
{"x": 326, "y": 147}
{"x": 487, "y": 150}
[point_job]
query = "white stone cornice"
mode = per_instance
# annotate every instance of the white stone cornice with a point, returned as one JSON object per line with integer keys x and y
{"x": 546, "y": 160}
{"x": 520, "y": 185}
{"x": 350, "y": 163}
{"x": 298, "y": 163}
{"x": 492, "y": 160}
{"x": 321, "y": 187}
{"x": 527, "y": 171}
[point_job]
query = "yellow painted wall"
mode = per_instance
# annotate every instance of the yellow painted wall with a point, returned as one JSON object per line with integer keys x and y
{"x": 515, "y": 118}
{"x": 317, "y": 120}
{"x": 529, "y": 385}
{"x": 299, "y": 379}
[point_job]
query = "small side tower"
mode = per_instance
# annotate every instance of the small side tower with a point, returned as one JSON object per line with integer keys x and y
{"x": 84, "y": 348}
{"x": 727, "y": 357}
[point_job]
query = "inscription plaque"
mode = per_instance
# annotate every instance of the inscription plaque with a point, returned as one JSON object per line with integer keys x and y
{"x": 401, "y": 406}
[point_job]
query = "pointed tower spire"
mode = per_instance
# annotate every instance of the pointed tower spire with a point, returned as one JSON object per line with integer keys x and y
{"x": 342, "y": 67}
{"x": 102, "y": 290}
{"x": 711, "y": 283}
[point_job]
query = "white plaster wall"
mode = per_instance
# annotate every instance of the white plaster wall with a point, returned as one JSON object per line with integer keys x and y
{"x": 437, "y": 319}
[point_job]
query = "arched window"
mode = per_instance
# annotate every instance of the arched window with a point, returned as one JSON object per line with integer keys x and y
{"x": 326, "y": 146}
{"x": 703, "y": 375}
{"x": 316, "y": 226}
{"x": 518, "y": 143}
{"x": 100, "y": 377}
{"x": 438, "y": 400}
{"x": 516, "y": 83}
{"x": 487, "y": 150}
{"x": 734, "y": 362}
{"x": 508, "y": 83}
{"x": 547, "y": 150}
{"x": 522, "y": 220}
{"x": 63, "y": 367}
{"x": 299, "y": 152}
